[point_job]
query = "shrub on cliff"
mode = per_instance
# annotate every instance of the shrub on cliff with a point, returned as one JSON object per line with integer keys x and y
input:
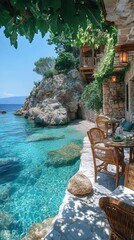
{"x": 64, "y": 61}
{"x": 43, "y": 65}
{"x": 49, "y": 73}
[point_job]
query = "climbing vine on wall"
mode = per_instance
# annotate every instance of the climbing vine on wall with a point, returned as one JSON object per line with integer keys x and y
{"x": 105, "y": 68}
{"x": 120, "y": 75}
{"x": 92, "y": 95}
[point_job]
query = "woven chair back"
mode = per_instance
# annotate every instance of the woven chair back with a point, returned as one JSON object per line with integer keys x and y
{"x": 96, "y": 135}
{"x": 102, "y": 123}
{"x": 120, "y": 216}
{"x": 129, "y": 176}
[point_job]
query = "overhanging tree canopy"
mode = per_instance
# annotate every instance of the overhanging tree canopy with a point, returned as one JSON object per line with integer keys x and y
{"x": 28, "y": 17}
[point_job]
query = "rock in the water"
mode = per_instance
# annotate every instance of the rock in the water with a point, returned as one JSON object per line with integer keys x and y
{"x": 42, "y": 137}
{"x": 5, "y": 235}
{"x": 65, "y": 155}
{"x": 2, "y": 111}
{"x": 79, "y": 184}
{"x": 6, "y": 221}
{"x": 39, "y": 230}
{"x": 9, "y": 169}
{"x": 6, "y": 192}
{"x": 19, "y": 112}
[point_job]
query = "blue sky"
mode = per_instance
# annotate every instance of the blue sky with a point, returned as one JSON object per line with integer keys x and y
{"x": 16, "y": 65}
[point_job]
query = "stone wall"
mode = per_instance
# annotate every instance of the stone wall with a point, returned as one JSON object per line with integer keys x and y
{"x": 126, "y": 35}
{"x": 129, "y": 79}
{"x": 90, "y": 115}
{"x": 121, "y": 12}
{"x": 114, "y": 99}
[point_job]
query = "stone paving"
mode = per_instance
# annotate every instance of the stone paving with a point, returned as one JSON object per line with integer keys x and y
{"x": 80, "y": 218}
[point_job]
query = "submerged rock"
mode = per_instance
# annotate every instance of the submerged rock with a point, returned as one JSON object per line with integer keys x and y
{"x": 6, "y": 221}
{"x": 43, "y": 137}
{"x": 65, "y": 155}
{"x": 39, "y": 230}
{"x": 9, "y": 169}
{"x": 6, "y": 192}
{"x": 30, "y": 178}
{"x": 5, "y": 235}
{"x": 79, "y": 184}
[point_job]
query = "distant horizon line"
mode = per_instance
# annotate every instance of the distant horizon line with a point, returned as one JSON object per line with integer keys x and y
{"x": 14, "y": 96}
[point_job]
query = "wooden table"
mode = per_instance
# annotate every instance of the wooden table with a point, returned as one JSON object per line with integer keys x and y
{"x": 123, "y": 144}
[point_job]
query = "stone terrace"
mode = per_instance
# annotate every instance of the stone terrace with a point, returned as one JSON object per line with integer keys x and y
{"x": 80, "y": 218}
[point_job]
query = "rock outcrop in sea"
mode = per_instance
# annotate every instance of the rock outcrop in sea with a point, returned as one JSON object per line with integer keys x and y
{"x": 66, "y": 155}
{"x": 55, "y": 101}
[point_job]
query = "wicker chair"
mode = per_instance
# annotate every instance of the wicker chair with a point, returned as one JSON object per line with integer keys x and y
{"x": 104, "y": 156}
{"x": 129, "y": 176}
{"x": 120, "y": 216}
{"x": 102, "y": 123}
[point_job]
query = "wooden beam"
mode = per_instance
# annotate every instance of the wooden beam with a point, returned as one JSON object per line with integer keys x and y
{"x": 90, "y": 68}
{"x": 125, "y": 47}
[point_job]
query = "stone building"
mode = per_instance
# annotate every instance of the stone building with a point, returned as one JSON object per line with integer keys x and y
{"x": 121, "y": 13}
{"x": 118, "y": 97}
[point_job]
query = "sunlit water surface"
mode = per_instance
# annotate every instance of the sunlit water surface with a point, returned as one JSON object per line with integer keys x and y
{"x": 30, "y": 190}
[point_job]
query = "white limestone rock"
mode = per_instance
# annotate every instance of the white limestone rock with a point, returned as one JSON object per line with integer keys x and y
{"x": 79, "y": 184}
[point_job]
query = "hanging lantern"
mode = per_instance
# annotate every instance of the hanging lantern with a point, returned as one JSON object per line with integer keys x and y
{"x": 123, "y": 57}
{"x": 113, "y": 78}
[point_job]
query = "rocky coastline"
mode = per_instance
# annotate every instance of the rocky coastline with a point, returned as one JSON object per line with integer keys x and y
{"x": 55, "y": 101}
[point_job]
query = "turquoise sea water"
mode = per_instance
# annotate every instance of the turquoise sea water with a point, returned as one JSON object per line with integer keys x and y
{"x": 30, "y": 190}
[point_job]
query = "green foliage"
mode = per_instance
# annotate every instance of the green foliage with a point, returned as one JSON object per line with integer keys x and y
{"x": 91, "y": 35}
{"x": 92, "y": 96}
{"x": 63, "y": 43}
{"x": 49, "y": 73}
{"x": 27, "y": 18}
{"x": 120, "y": 75}
{"x": 64, "y": 61}
{"x": 105, "y": 67}
{"x": 44, "y": 64}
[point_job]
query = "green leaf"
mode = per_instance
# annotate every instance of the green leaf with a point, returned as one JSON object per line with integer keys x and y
{"x": 54, "y": 4}
{"x": 21, "y": 5}
{"x": 5, "y": 18}
{"x": 7, "y": 33}
{"x": 68, "y": 11}
{"x": 56, "y": 24}
{"x": 29, "y": 29}
{"x": 94, "y": 17}
{"x": 13, "y": 38}
{"x": 42, "y": 25}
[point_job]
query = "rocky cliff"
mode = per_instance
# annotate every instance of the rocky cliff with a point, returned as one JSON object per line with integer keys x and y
{"x": 55, "y": 101}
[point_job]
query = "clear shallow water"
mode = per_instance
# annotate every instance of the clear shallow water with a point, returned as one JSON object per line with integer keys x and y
{"x": 30, "y": 191}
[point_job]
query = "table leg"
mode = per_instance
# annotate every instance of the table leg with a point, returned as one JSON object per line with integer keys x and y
{"x": 120, "y": 151}
{"x": 131, "y": 159}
